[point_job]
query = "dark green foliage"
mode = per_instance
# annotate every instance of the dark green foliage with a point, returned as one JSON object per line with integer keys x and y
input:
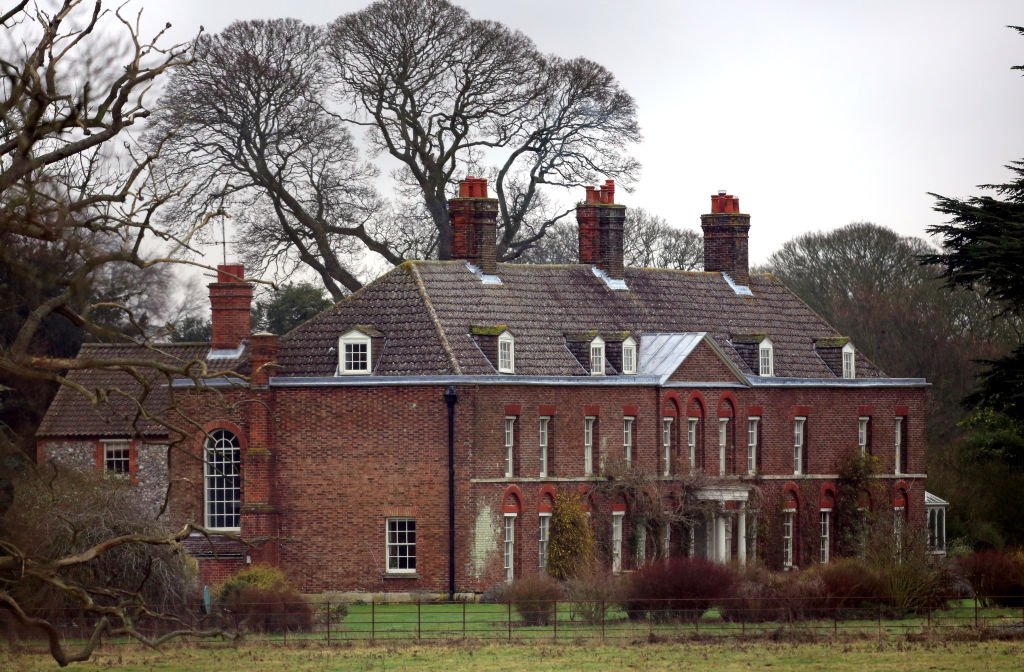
{"x": 535, "y": 598}
{"x": 289, "y": 307}
{"x": 191, "y": 329}
{"x": 259, "y": 598}
{"x": 678, "y": 588}
{"x": 995, "y": 576}
{"x": 571, "y": 546}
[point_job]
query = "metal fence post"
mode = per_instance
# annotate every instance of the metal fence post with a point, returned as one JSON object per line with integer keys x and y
{"x": 373, "y": 619}
{"x": 555, "y": 632}
{"x": 464, "y": 619}
{"x": 975, "y": 611}
{"x": 510, "y": 620}
{"x": 602, "y": 622}
{"x": 419, "y": 618}
{"x": 328, "y": 622}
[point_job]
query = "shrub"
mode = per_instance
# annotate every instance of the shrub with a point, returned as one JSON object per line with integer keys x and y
{"x": 571, "y": 544}
{"x": 331, "y": 608}
{"x": 852, "y": 586}
{"x": 592, "y": 595}
{"x": 261, "y": 599}
{"x": 762, "y": 595}
{"x": 535, "y": 598}
{"x": 995, "y": 576}
{"x": 680, "y": 588}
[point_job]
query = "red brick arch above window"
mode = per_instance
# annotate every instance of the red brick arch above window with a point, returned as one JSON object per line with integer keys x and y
{"x": 899, "y": 494}
{"x": 512, "y": 500}
{"x": 827, "y": 496}
{"x": 213, "y": 425}
{"x": 546, "y": 499}
{"x": 670, "y": 404}
{"x": 696, "y": 405}
{"x": 790, "y": 496}
{"x": 619, "y": 505}
{"x": 727, "y": 405}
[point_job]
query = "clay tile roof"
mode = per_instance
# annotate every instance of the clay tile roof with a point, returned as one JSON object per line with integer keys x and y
{"x": 427, "y": 311}
{"x": 120, "y": 380}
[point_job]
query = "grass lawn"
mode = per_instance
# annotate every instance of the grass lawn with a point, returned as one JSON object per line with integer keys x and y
{"x": 897, "y": 655}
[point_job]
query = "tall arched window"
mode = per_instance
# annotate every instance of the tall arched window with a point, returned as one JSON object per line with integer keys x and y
{"x": 223, "y": 482}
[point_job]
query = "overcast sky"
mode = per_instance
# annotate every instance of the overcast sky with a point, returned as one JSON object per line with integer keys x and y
{"x": 815, "y": 114}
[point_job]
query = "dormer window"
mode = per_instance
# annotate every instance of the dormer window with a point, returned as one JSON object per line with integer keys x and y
{"x": 506, "y": 353}
{"x": 629, "y": 356}
{"x": 597, "y": 356}
{"x": 766, "y": 358}
{"x": 849, "y": 364}
{"x": 354, "y": 353}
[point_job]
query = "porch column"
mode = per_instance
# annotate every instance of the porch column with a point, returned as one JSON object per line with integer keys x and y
{"x": 720, "y": 550}
{"x": 741, "y": 535}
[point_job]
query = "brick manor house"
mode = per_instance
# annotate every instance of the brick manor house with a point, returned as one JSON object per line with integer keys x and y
{"x": 413, "y": 437}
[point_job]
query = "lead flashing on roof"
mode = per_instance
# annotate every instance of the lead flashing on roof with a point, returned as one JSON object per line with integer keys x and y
{"x": 777, "y": 381}
{"x": 485, "y": 279}
{"x": 219, "y": 381}
{"x": 226, "y": 354}
{"x": 741, "y": 290}
{"x": 612, "y": 283}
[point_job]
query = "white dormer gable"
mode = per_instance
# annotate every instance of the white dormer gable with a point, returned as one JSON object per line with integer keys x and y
{"x": 597, "y": 356}
{"x": 629, "y": 356}
{"x": 506, "y": 353}
{"x": 355, "y": 350}
{"x": 849, "y": 361}
{"x": 765, "y": 358}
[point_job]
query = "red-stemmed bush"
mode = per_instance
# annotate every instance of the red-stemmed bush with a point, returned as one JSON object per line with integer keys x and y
{"x": 682, "y": 588}
{"x": 535, "y": 598}
{"x": 996, "y": 577}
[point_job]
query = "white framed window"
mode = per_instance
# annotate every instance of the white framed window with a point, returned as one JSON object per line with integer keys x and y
{"x": 691, "y": 442}
{"x": 766, "y": 358}
{"x": 641, "y": 546}
{"x": 898, "y": 447}
{"x": 588, "y": 445}
{"x": 617, "y": 518}
{"x": 723, "y": 444}
{"x": 798, "y": 445}
{"x": 787, "y": 538}
{"x": 937, "y": 529}
{"x": 542, "y": 541}
{"x": 666, "y": 540}
{"x": 510, "y": 446}
{"x": 401, "y": 545}
{"x": 752, "y": 429}
{"x": 354, "y": 353}
{"x": 825, "y": 545}
{"x": 849, "y": 362}
{"x": 542, "y": 441}
{"x": 629, "y": 356}
{"x": 666, "y": 443}
{"x": 627, "y": 439}
{"x": 506, "y": 353}
{"x": 223, "y": 489}
{"x": 510, "y": 547}
{"x": 899, "y": 526}
{"x": 597, "y": 356}
{"x": 117, "y": 457}
{"x": 862, "y": 435}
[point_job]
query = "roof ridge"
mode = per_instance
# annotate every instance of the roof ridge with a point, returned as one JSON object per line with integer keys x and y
{"x": 432, "y": 314}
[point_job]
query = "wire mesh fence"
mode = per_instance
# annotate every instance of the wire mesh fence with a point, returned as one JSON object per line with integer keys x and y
{"x": 376, "y": 621}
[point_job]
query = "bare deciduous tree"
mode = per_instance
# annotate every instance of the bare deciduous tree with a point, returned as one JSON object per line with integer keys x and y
{"x": 441, "y": 91}
{"x": 248, "y": 136}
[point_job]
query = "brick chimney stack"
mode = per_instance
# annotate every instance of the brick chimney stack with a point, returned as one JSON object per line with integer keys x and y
{"x": 474, "y": 220}
{"x": 601, "y": 222}
{"x": 725, "y": 238}
{"x": 231, "y": 306}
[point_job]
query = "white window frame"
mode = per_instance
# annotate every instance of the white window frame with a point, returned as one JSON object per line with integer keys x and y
{"x": 666, "y": 540}
{"x": 641, "y": 546}
{"x": 629, "y": 353}
{"x": 936, "y": 529}
{"x": 543, "y": 425}
{"x": 506, "y": 353}
{"x": 588, "y": 445}
{"x": 627, "y": 439}
{"x": 723, "y": 444}
{"x": 863, "y": 427}
{"x": 399, "y": 549}
{"x": 788, "y": 517}
{"x": 509, "y": 547}
{"x": 544, "y": 528}
{"x": 117, "y": 452}
{"x": 825, "y": 530}
{"x": 223, "y": 480}
{"x": 666, "y": 444}
{"x": 898, "y": 444}
{"x": 799, "y": 434}
{"x": 849, "y": 361}
{"x": 510, "y": 446}
{"x": 899, "y": 526}
{"x": 691, "y": 442}
{"x": 617, "y": 518}
{"x": 765, "y": 358}
{"x": 597, "y": 356}
{"x": 752, "y": 429}
{"x": 354, "y": 338}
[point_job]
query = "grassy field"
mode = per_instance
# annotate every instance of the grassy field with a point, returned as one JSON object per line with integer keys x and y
{"x": 726, "y": 657}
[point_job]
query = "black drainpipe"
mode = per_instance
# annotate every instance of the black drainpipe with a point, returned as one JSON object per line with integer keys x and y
{"x": 451, "y": 397}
